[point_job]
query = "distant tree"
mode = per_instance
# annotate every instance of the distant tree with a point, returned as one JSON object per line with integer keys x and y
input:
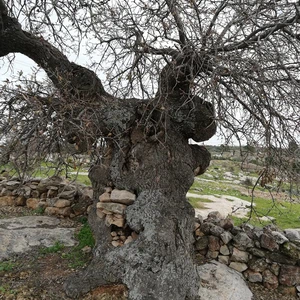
{"x": 172, "y": 69}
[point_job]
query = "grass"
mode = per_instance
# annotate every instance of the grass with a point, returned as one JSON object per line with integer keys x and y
{"x": 76, "y": 256}
{"x": 198, "y": 202}
{"x": 285, "y": 213}
{"x": 57, "y": 247}
{"x": 7, "y": 266}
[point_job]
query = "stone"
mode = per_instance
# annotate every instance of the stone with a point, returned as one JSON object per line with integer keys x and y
{"x": 212, "y": 254}
{"x": 224, "y": 250}
{"x": 201, "y": 243}
{"x": 45, "y": 183}
{"x": 226, "y": 237}
{"x": 7, "y": 200}
{"x": 12, "y": 185}
{"x": 281, "y": 258}
{"x": 111, "y": 220}
{"x": 256, "y": 252}
{"x": 115, "y": 243}
{"x": 291, "y": 250}
{"x": 279, "y": 237}
{"x": 242, "y": 241}
{"x": 205, "y": 227}
{"x": 288, "y": 290}
{"x": 66, "y": 211}
{"x": 32, "y": 203}
{"x": 20, "y": 201}
{"x": 128, "y": 240}
{"x": 113, "y": 207}
{"x": 253, "y": 276}
{"x": 268, "y": 242}
{"x": 226, "y": 224}
{"x": 51, "y": 201}
{"x": 51, "y": 193}
{"x": 21, "y": 234}
{"x": 220, "y": 282}
{"x": 270, "y": 280}
{"x": 292, "y": 234}
{"x": 289, "y": 275}
{"x": 108, "y": 189}
{"x": 213, "y": 243}
{"x": 61, "y": 203}
{"x": 223, "y": 259}
{"x": 105, "y": 197}
{"x": 100, "y": 213}
{"x": 239, "y": 256}
{"x": 214, "y": 216}
{"x": 238, "y": 266}
{"x": 42, "y": 204}
{"x": 122, "y": 197}
{"x": 67, "y": 194}
{"x": 51, "y": 210}
{"x": 216, "y": 230}
{"x": 258, "y": 265}
{"x": 275, "y": 268}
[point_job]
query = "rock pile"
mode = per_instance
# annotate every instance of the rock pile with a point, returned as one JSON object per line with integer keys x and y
{"x": 53, "y": 195}
{"x": 267, "y": 255}
{"x": 111, "y": 207}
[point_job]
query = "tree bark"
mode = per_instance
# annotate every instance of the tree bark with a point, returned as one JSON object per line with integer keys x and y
{"x": 159, "y": 264}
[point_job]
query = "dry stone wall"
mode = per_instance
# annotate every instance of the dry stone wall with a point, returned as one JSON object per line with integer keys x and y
{"x": 54, "y": 195}
{"x": 267, "y": 256}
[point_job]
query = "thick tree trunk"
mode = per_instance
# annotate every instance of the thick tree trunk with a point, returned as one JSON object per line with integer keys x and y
{"x": 159, "y": 264}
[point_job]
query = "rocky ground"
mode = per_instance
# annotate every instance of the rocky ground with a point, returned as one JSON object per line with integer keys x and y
{"x": 40, "y": 275}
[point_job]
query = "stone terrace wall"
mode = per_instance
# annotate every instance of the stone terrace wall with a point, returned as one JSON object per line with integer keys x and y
{"x": 268, "y": 256}
{"x": 53, "y": 195}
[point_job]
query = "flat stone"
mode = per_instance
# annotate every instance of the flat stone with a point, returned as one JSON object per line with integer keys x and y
{"x": 122, "y": 196}
{"x": 19, "y": 235}
{"x": 270, "y": 280}
{"x": 220, "y": 282}
{"x": 61, "y": 203}
{"x": 224, "y": 250}
{"x": 201, "y": 243}
{"x": 238, "y": 266}
{"x": 113, "y": 207}
{"x": 223, "y": 259}
{"x": 242, "y": 241}
{"x": 268, "y": 242}
{"x": 279, "y": 237}
{"x": 239, "y": 256}
{"x": 67, "y": 194}
{"x": 7, "y": 200}
{"x": 289, "y": 275}
{"x": 253, "y": 276}
{"x": 32, "y": 203}
{"x": 105, "y": 197}
{"x": 226, "y": 237}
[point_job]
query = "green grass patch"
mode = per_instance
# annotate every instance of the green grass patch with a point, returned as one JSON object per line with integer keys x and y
{"x": 76, "y": 256}
{"x": 198, "y": 202}
{"x": 7, "y": 266}
{"x": 57, "y": 247}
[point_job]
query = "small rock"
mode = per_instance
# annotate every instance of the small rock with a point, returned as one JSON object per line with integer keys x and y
{"x": 86, "y": 249}
{"x": 128, "y": 240}
{"x": 105, "y": 197}
{"x": 113, "y": 207}
{"x": 238, "y": 266}
{"x": 268, "y": 242}
{"x": 289, "y": 275}
{"x": 115, "y": 243}
{"x": 223, "y": 259}
{"x": 224, "y": 250}
{"x": 239, "y": 256}
{"x": 270, "y": 280}
{"x": 253, "y": 276}
{"x": 226, "y": 237}
{"x": 61, "y": 203}
{"x": 122, "y": 197}
{"x": 32, "y": 203}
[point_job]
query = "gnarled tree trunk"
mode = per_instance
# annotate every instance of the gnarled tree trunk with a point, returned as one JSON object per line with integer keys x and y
{"x": 159, "y": 264}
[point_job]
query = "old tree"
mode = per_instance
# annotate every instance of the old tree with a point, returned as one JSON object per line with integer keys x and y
{"x": 172, "y": 70}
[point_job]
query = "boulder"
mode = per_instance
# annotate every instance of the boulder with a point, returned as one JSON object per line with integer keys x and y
{"x": 220, "y": 282}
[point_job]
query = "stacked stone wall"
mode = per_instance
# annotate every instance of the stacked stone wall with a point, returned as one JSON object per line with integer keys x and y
{"x": 263, "y": 255}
